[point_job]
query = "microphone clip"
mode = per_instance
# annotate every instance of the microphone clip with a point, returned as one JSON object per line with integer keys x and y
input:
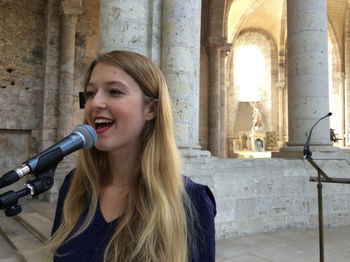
{"x": 9, "y": 200}
{"x": 307, "y": 152}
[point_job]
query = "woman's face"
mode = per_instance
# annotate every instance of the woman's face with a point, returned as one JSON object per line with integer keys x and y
{"x": 116, "y": 108}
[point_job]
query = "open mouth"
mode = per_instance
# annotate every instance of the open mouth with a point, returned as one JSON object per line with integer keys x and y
{"x": 102, "y": 124}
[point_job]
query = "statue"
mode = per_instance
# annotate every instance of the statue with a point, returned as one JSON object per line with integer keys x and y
{"x": 257, "y": 116}
{"x": 333, "y": 136}
{"x": 244, "y": 141}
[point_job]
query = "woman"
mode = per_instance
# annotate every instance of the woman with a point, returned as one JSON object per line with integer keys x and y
{"x": 126, "y": 200}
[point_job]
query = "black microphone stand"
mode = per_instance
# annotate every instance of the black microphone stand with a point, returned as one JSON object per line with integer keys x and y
{"x": 44, "y": 179}
{"x": 43, "y": 182}
{"x": 321, "y": 177}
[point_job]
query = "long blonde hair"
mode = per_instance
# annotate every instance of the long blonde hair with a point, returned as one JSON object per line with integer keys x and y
{"x": 154, "y": 225}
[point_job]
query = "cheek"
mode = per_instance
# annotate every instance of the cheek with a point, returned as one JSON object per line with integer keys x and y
{"x": 87, "y": 114}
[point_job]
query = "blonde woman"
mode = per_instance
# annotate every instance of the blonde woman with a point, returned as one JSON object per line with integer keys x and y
{"x": 126, "y": 200}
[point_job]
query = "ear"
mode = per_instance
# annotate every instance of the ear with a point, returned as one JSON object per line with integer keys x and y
{"x": 151, "y": 110}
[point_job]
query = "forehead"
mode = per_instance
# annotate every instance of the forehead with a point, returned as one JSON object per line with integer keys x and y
{"x": 104, "y": 72}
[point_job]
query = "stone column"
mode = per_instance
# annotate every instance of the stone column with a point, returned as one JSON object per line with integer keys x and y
{"x": 214, "y": 119}
{"x": 307, "y": 73}
{"x": 347, "y": 76}
{"x": 281, "y": 87}
{"x": 180, "y": 65}
{"x": 342, "y": 108}
{"x": 130, "y": 25}
{"x": 223, "y": 101}
{"x": 70, "y": 13}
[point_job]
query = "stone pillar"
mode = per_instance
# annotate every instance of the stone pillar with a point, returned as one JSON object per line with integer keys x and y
{"x": 70, "y": 13}
{"x": 281, "y": 87}
{"x": 307, "y": 73}
{"x": 180, "y": 65}
{"x": 342, "y": 108}
{"x": 129, "y": 25}
{"x": 223, "y": 101}
{"x": 347, "y": 76}
{"x": 214, "y": 119}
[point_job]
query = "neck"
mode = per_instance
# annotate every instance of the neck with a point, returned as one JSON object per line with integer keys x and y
{"x": 122, "y": 168}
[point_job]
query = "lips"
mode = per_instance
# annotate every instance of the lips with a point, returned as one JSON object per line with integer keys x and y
{"x": 102, "y": 124}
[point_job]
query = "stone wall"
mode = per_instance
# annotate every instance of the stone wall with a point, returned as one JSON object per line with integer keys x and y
{"x": 263, "y": 195}
{"x": 21, "y": 77}
{"x": 30, "y": 42}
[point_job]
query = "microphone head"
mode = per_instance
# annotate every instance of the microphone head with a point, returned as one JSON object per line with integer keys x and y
{"x": 329, "y": 114}
{"x": 88, "y": 133}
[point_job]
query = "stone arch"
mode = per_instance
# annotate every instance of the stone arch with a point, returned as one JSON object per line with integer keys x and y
{"x": 251, "y": 6}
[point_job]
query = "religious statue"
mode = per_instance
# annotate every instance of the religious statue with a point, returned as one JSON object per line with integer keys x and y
{"x": 333, "y": 136}
{"x": 244, "y": 141}
{"x": 257, "y": 116}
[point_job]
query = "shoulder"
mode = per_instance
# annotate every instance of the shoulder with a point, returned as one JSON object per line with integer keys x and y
{"x": 65, "y": 186}
{"x": 67, "y": 181}
{"x": 60, "y": 201}
{"x": 202, "y": 227}
{"x": 200, "y": 195}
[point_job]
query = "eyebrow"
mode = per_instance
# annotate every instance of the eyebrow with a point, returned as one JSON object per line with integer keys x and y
{"x": 109, "y": 83}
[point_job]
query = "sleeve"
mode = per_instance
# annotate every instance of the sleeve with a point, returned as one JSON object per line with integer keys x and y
{"x": 204, "y": 229}
{"x": 61, "y": 197}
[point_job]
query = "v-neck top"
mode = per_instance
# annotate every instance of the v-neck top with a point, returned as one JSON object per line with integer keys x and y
{"x": 90, "y": 245}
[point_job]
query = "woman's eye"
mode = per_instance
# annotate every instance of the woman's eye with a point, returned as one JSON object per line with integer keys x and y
{"x": 115, "y": 92}
{"x": 88, "y": 94}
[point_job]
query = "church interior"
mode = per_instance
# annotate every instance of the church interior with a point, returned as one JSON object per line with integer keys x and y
{"x": 248, "y": 80}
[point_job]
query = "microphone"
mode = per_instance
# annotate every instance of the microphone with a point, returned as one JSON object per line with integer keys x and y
{"x": 307, "y": 152}
{"x": 82, "y": 137}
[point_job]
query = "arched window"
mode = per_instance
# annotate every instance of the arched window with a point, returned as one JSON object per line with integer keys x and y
{"x": 250, "y": 71}
{"x": 253, "y": 103}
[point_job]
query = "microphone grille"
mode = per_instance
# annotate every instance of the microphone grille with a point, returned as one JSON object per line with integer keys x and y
{"x": 88, "y": 133}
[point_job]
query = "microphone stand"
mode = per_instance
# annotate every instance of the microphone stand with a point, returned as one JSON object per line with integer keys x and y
{"x": 43, "y": 182}
{"x": 44, "y": 175}
{"x": 321, "y": 177}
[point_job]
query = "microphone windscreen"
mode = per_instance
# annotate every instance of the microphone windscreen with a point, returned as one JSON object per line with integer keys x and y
{"x": 88, "y": 133}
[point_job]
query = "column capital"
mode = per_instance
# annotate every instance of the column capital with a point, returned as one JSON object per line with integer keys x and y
{"x": 71, "y": 8}
{"x": 227, "y": 48}
{"x": 216, "y": 42}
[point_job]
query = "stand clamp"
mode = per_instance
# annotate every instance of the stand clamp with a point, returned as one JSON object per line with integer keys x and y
{"x": 9, "y": 200}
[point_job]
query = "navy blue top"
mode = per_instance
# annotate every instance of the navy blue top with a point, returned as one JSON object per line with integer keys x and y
{"x": 90, "y": 245}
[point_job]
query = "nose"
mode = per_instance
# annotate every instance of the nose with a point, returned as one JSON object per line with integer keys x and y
{"x": 97, "y": 101}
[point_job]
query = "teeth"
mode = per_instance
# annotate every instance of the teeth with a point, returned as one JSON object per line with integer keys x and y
{"x": 103, "y": 121}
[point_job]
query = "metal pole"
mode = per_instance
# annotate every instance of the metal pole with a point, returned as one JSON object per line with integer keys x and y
{"x": 320, "y": 217}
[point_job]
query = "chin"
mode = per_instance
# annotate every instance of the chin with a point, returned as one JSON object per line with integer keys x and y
{"x": 103, "y": 148}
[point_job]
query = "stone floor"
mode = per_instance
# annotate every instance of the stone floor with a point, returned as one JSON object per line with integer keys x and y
{"x": 286, "y": 246}
{"x": 32, "y": 226}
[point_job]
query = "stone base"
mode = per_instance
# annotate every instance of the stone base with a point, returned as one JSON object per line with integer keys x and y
{"x": 318, "y": 152}
{"x": 189, "y": 152}
{"x": 251, "y": 154}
